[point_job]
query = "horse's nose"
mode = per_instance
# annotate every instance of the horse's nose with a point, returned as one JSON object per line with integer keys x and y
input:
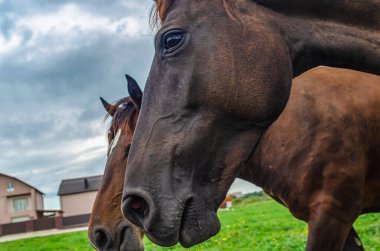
{"x": 138, "y": 207}
{"x": 123, "y": 236}
{"x": 101, "y": 238}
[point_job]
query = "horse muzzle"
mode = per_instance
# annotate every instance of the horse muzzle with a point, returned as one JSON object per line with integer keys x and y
{"x": 170, "y": 220}
{"x": 126, "y": 238}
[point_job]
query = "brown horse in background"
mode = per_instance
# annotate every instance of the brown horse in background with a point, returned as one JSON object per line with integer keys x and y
{"x": 221, "y": 75}
{"x": 108, "y": 230}
{"x": 307, "y": 153}
{"x": 321, "y": 158}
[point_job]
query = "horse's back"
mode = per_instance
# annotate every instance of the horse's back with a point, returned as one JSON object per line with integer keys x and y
{"x": 327, "y": 137}
{"x": 352, "y": 104}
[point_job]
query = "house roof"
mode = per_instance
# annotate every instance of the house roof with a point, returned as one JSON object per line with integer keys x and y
{"x": 79, "y": 185}
{"x": 39, "y": 191}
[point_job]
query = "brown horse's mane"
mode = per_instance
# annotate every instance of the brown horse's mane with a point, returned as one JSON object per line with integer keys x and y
{"x": 160, "y": 10}
{"x": 122, "y": 117}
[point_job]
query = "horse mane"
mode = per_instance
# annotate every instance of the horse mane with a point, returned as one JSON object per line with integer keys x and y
{"x": 159, "y": 11}
{"x": 161, "y": 7}
{"x": 122, "y": 118}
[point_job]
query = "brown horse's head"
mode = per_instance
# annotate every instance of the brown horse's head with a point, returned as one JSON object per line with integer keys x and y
{"x": 211, "y": 93}
{"x": 108, "y": 230}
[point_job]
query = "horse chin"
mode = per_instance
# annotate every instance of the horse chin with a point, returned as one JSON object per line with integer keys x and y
{"x": 198, "y": 228}
{"x": 165, "y": 239}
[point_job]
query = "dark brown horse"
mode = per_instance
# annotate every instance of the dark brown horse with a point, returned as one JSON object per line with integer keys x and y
{"x": 316, "y": 134}
{"x": 108, "y": 230}
{"x": 321, "y": 158}
{"x": 220, "y": 77}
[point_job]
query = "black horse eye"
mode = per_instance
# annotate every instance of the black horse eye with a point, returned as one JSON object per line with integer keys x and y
{"x": 127, "y": 150}
{"x": 172, "y": 40}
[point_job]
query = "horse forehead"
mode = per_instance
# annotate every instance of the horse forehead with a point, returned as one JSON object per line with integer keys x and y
{"x": 185, "y": 9}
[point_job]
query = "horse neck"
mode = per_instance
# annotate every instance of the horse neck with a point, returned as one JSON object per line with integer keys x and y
{"x": 333, "y": 33}
{"x": 363, "y": 13}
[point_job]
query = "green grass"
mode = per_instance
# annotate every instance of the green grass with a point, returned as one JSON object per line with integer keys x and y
{"x": 76, "y": 241}
{"x": 254, "y": 224}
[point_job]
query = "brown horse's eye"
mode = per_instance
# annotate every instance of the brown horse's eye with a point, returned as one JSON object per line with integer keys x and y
{"x": 127, "y": 150}
{"x": 171, "y": 41}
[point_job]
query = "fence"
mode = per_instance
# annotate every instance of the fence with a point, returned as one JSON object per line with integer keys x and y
{"x": 44, "y": 224}
{"x": 76, "y": 220}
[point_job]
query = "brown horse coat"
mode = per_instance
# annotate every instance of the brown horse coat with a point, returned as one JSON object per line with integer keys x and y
{"x": 321, "y": 158}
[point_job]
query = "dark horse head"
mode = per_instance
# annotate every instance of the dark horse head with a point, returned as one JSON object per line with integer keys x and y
{"x": 220, "y": 76}
{"x": 207, "y": 102}
{"x": 107, "y": 229}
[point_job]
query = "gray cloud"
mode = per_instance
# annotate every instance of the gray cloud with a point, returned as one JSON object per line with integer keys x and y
{"x": 51, "y": 120}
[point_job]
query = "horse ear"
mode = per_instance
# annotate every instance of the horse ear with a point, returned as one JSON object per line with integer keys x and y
{"x": 134, "y": 91}
{"x": 111, "y": 109}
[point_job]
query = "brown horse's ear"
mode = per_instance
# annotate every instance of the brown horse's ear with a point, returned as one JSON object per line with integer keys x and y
{"x": 111, "y": 109}
{"x": 134, "y": 91}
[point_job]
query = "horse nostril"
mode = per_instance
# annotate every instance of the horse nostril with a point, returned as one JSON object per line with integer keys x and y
{"x": 140, "y": 206}
{"x": 101, "y": 239}
{"x": 137, "y": 203}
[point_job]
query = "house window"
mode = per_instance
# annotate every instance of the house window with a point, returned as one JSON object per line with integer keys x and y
{"x": 10, "y": 187}
{"x": 20, "y": 204}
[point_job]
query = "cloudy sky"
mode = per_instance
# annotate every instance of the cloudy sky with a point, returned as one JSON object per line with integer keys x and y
{"x": 56, "y": 59}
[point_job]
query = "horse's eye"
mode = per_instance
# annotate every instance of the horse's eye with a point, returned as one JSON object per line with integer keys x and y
{"x": 172, "y": 40}
{"x": 127, "y": 150}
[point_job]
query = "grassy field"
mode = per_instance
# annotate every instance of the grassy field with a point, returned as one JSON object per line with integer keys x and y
{"x": 253, "y": 224}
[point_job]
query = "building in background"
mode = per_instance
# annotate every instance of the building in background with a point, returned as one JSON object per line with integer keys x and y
{"x": 77, "y": 196}
{"x": 19, "y": 201}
